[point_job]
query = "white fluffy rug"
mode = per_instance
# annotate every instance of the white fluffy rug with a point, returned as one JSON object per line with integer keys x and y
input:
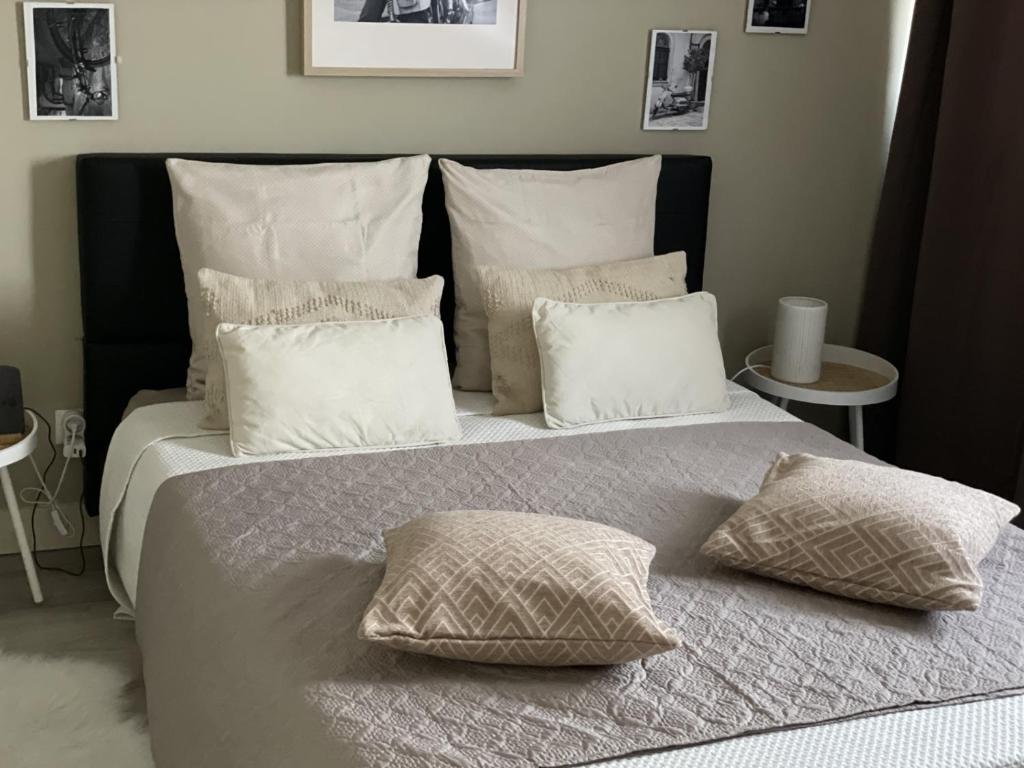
{"x": 67, "y": 713}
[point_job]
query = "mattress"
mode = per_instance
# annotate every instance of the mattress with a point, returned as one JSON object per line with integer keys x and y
{"x": 161, "y": 441}
{"x": 983, "y": 734}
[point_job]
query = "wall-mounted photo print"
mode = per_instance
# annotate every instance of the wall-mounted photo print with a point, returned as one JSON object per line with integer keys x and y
{"x": 427, "y": 38}
{"x": 682, "y": 63}
{"x": 418, "y": 11}
{"x": 778, "y": 17}
{"x": 72, "y": 69}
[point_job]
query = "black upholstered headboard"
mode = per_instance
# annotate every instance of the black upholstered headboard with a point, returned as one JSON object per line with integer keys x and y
{"x": 133, "y": 297}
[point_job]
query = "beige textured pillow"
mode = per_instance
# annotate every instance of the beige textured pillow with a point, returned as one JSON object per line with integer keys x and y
{"x": 868, "y": 532}
{"x": 516, "y": 588}
{"x": 328, "y": 221}
{"x": 526, "y": 219}
{"x": 508, "y": 300}
{"x": 324, "y": 386}
{"x": 247, "y": 301}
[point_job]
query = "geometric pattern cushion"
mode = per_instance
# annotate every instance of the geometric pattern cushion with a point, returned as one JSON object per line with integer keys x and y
{"x": 865, "y": 531}
{"x": 253, "y": 301}
{"x": 508, "y": 296}
{"x": 516, "y": 588}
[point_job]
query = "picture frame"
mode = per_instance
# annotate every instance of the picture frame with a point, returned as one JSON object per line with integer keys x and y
{"x": 680, "y": 75}
{"x": 778, "y": 17}
{"x": 71, "y": 80}
{"x": 449, "y": 38}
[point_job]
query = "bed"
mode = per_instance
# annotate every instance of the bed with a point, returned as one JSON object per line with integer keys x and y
{"x": 182, "y": 520}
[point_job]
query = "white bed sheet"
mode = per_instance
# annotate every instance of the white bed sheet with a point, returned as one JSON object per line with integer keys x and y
{"x": 162, "y": 441}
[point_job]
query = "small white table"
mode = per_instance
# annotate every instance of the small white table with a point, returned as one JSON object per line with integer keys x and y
{"x": 8, "y": 456}
{"x": 850, "y": 378}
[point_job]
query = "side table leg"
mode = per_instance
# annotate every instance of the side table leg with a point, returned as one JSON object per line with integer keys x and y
{"x": 19, "y": 533}
{"x": 857, "y": 426}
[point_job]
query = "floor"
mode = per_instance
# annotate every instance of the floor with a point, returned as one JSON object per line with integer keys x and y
{"x": 74, "y": 621}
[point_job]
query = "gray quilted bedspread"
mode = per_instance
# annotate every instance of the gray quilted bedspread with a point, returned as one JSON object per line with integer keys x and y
{"x": 254, "y": 579}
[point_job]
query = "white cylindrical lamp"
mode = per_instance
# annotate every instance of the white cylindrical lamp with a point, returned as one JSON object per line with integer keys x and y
{"x": 799, "y": 338}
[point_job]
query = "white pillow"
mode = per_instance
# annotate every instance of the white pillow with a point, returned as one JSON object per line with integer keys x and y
{"x": 334, "y": 221}
{"x": 251, "y": 301}
{"x": 539, "y": 219}
{"x": 629, "y": 360}
{"x": 361, "y": 384}
{"x": 509, "y": 294}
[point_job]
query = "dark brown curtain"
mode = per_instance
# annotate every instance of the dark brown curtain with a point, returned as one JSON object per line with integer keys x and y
{"x": 945, "y": 290}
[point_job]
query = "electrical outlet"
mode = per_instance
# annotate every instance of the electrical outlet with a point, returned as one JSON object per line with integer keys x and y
{"x": 71, "y": 447}
{"x": 59, "y": 418}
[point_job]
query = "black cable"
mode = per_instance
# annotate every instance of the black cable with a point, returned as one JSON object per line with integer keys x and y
{"x": 35, "y": 506}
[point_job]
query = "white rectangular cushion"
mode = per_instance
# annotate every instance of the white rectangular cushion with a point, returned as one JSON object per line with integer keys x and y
{"x": 532, "y": 219}
{"x": 250, "y": 301}
{"x": 629, "y": 360}
{"x": 509, "y": 294}
{"x": 332, "y": 221}
{"x": 361, "y": 384}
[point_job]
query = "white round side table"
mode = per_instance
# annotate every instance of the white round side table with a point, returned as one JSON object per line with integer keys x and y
{"x": 8, "y": 456}
{"x": 850, "y": 378}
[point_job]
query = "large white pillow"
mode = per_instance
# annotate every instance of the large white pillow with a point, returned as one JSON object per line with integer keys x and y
{"x": 629, "y": 360}
{"x": 360, "y": 384}
{"x": 333, "y": 221}
{"x": 539, "y": 219}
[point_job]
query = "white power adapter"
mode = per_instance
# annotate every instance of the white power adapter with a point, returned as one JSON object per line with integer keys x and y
{"x": 59, "y": 522}
{"x": 70, "y": 433}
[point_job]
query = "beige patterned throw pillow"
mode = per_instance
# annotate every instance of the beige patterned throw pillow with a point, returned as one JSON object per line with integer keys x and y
{"x": 869, "y": 532}
{"x": 516, "y": 588}
{"x": 509, "y": 294}
{"x": 246, "y": 301}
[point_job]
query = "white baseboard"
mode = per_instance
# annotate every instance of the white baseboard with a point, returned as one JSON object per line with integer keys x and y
{"x": 47, "y": 537}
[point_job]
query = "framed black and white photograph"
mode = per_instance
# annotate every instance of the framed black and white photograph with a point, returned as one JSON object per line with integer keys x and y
{"x": 680, "y": 70}
{"x": 72, "y": 67}
{"x": 429, "y": 38}
{"x": 778, "y": 17}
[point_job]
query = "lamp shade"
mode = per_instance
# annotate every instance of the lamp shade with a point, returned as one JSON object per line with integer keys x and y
{"x": 799, "y": 338}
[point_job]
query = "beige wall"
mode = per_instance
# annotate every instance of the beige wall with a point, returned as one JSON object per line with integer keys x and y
{"x": 797, "y": 132}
